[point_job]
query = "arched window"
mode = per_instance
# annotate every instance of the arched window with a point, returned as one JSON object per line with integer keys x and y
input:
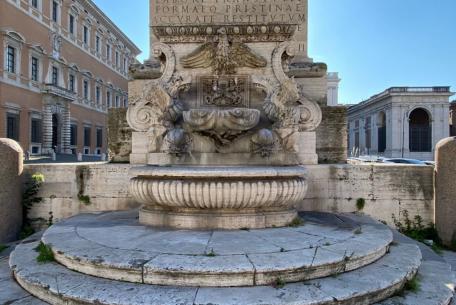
{"x": 420, "y": 131}
{"x": 381, "y": 129}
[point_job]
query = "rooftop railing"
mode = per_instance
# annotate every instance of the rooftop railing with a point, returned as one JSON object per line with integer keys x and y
{"x": 419, "y": 89}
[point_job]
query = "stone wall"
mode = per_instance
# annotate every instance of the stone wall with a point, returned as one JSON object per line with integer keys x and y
{"x": 119, "y": 135}
{"x": 10, "y": 190}
{"x": 70, "y": 189}
{"x": 387, "y": 189}
{"x": 332, "y": 135}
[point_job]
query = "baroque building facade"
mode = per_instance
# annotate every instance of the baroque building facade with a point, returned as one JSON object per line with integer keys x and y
{"x": 400, "y": 122}
{"x": 64, "y": 64}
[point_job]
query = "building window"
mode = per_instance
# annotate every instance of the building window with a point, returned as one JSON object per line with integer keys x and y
{"x": 55, "y": 76}
{"x": 36, "y": 131}
{"x": 108, "y": 99}
{"x": 125, "y": 102}
{"x": 71, "y": 82}
{"x": 117, "y": 101}
{"x": 117, "y": 59}
{"x": 55, "y": 11}
{"x": 108, "y": 52}
{"x": 71, "y": 25}
{"x": 125, "y": 65}
{"x": 86, "y": 89}
{"x": 12, "y": 126}
{"x": 35, "y": 4}
{"x": 97, "y": 94}
{"x": 87, "y": 132}
{"x": 35, "y": 68}
{"x": 99, "y": 137}
{"x": 420, "y": 131}
{"x": 73, "y": 135}
{"x": 11, "y": 60}
{"x": 86, "y": 35}
{"x": 97, "y": 43}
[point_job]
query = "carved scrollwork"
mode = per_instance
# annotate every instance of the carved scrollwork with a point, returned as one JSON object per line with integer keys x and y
{"x": 149, "y": 108}
{"x": 289, "y": 107}
{"x": 280, "y": 56}
{"x": 166, "y": 56}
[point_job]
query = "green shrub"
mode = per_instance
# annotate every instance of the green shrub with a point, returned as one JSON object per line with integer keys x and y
{"x": 416, "y": 230}
{"x": 29, "y": 198}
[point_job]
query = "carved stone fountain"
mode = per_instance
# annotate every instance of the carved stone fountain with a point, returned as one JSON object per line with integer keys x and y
{"x": 222, "y": 130}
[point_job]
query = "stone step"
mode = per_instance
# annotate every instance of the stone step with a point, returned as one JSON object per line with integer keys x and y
{"x": 56, "y": 284}
{"x": 435, "y": 287}
{"x": 116, "y": 246}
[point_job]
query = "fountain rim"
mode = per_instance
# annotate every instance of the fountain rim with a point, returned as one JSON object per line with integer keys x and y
{"x": 178, "y": 171}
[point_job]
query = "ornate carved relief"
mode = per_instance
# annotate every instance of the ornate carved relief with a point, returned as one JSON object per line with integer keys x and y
{"x": 223, "y": 91}
{"x": 177, "y": 142}
{"x": 222, "y": 125}
{"x": 244, "y": 33}
{"x": 223, "y": 55}
{"x": 264, "y": 143}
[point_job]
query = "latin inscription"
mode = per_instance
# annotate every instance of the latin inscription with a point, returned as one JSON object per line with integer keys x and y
{"x": 201, "y": 12}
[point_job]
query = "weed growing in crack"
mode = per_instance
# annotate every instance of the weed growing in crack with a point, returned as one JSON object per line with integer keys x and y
{"x": 211, "y": 253}
{"x": 278, "y": 283}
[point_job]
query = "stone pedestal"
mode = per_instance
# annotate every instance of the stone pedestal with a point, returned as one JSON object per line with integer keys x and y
{"x": 445, "y": 190}
{"x": 10, "y": 190}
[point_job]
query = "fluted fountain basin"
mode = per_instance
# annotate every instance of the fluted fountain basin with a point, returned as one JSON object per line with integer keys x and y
{"x": 191, "y": 197}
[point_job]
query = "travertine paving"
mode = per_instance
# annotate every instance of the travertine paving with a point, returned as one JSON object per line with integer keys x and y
{"x": 57, "y": 284}
{"x": 369, "y": 284}
{"x": 116, "y": 246}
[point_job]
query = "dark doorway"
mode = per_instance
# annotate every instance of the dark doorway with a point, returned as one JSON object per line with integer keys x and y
{"x": 381, "y": 124}
{"x": 420, "y": 131}
{"x": 55, "y": 132}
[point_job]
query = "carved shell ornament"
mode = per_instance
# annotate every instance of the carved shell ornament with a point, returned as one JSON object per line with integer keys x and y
{"x": 223, "y": 55}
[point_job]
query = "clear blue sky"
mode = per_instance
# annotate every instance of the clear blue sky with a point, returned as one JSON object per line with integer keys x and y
{"x": 373, "y": 44}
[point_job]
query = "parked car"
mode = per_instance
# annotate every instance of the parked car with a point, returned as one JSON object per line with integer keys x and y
{"x": 405, "y": 161}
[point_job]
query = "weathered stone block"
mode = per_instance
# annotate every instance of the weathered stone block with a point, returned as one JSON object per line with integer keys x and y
{"x": 10, "y": 190}
{"x": 119, "y": 135}
{"x": 332, "y": 135}
{"x": 445, "y": 184}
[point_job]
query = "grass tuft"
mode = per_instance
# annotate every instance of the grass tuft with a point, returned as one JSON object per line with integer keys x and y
{"x": 413, "y": 285}
{"x": 278, "y": 283}
{"x": 84, "y": 199}
{"x": 3, "y": 247}
{"x": 45, "y": 254}
{"x": 360, "y": 204}
{"x": 297, "y": 222}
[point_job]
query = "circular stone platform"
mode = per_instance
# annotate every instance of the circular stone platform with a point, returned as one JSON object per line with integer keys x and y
{"x": 115, "y": 246}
